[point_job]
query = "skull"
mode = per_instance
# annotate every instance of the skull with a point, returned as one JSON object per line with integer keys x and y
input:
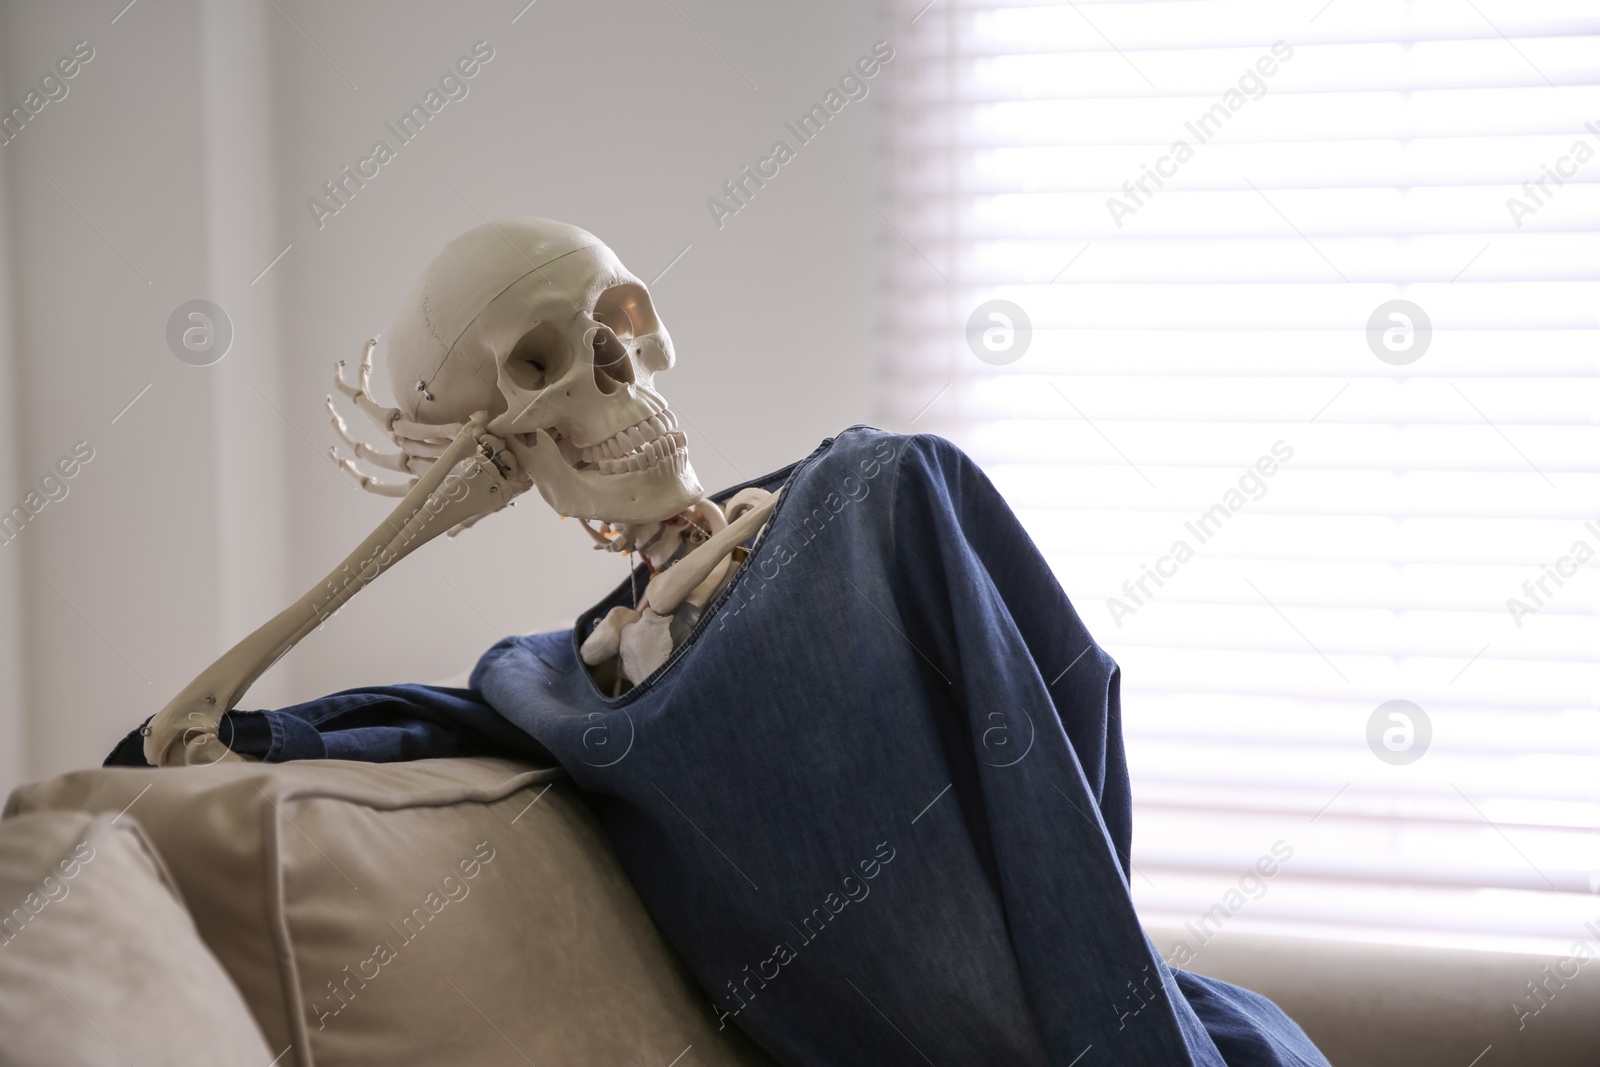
{"x": 539, "y": 324}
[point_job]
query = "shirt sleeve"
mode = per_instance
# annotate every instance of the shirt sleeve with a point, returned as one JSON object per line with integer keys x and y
{"x": 383, "y": 724}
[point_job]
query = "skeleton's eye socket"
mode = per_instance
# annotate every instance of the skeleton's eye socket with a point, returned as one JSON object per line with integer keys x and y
{"x": 626, "y": 310}
{"x": 618, "y": 322}
{"x": 537, "y": 359}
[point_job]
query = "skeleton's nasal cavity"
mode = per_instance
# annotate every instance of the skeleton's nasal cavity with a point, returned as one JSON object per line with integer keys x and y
{"x": 612, "y": 367}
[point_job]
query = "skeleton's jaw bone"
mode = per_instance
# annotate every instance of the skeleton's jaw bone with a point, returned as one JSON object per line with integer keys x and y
{"x": 655, "y": 493}
{"x": 185, "y": 731}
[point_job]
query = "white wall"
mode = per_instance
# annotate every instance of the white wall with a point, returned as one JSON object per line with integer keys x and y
{"x": 13, "y": 571}
{"x": 192, "y": 141}
{"x": 106, "y": 202}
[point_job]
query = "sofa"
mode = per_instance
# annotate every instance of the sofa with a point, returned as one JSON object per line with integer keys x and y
{"x": 471, "y": 911}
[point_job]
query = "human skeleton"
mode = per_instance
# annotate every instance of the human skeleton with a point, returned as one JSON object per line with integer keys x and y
{"x": 525, "y": 357}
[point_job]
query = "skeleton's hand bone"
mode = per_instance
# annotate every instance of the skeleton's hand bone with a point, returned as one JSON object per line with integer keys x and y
{"x": 391, "y": 420}
{"x": 185, "y": 731}
{"x": 417, "y": 452}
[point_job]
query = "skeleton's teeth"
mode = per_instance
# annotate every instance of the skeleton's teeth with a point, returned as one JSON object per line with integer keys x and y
{"x": 653, "y": 440}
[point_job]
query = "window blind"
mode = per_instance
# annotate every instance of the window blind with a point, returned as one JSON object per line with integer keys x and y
{"x": 1294, "y": 383}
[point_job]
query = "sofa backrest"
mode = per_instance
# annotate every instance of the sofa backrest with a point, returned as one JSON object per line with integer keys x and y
{"x": 424, "y": 913}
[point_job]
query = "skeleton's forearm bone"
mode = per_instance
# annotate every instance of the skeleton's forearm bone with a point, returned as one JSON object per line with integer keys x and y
{"x": 185, "y": 730}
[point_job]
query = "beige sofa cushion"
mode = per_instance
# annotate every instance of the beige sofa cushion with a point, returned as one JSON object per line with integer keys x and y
{"x": 455, "y": 911}
{"x": 99, "y": 961}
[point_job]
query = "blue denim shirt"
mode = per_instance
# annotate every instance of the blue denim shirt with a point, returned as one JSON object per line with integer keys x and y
{"x": 877, "y": 800}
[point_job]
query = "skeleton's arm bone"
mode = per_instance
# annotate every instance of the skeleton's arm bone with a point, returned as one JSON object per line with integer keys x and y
{"x": 185, "y": 730}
